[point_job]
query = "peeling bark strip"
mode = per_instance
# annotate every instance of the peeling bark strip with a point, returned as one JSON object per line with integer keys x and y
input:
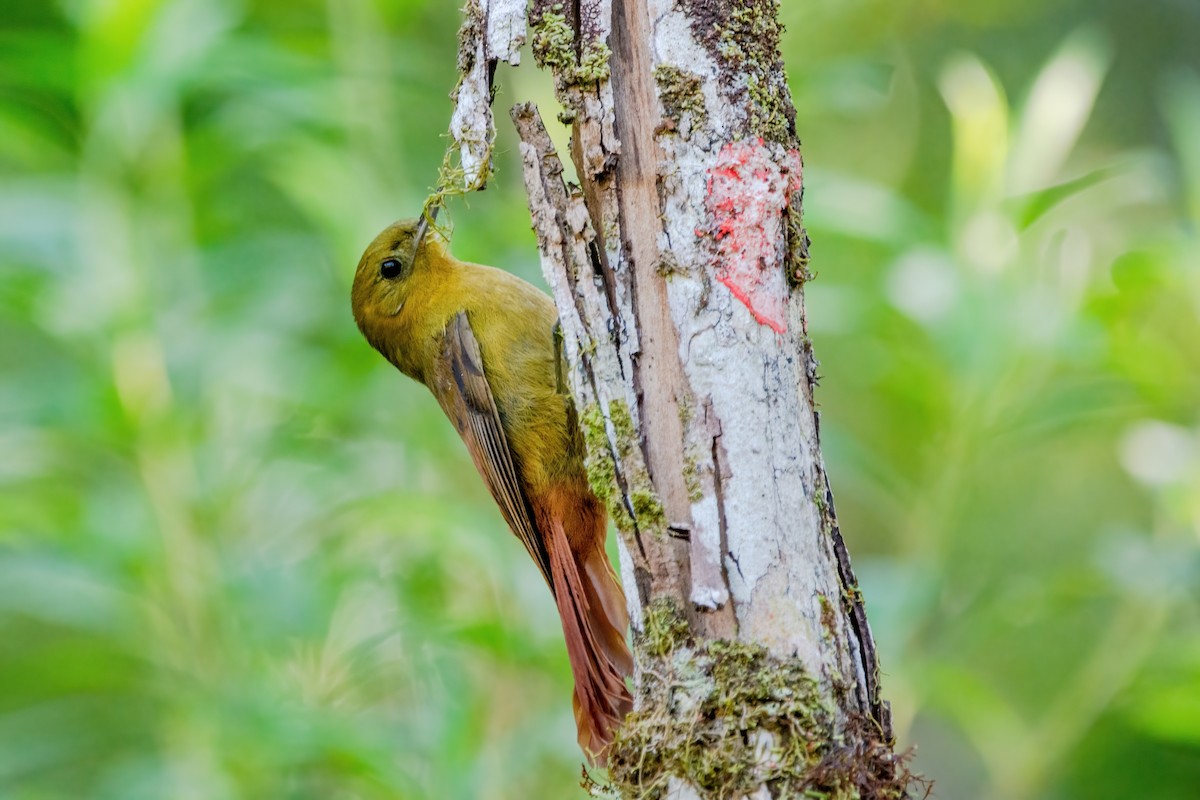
{"x": 492, "y": 31}
{"x": 678, "y": 268}
{"x": 599, "y": 367}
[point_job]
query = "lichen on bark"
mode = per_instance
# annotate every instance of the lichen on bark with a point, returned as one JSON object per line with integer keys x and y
{"x": 682, "y": 95}
{"x": 798, "y": 272}
{"x": 614, "y": 479}
{"x": 602, "y": 468}
{"x": 554, "y": 46}
{"x": 743, "y": 37}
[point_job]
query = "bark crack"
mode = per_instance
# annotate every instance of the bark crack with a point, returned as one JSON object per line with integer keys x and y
{"x": 719, "y": 492}
{"x": 878, "y": 709}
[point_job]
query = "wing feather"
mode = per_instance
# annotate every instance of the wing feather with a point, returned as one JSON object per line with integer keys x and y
{"x": 462, "y": 389}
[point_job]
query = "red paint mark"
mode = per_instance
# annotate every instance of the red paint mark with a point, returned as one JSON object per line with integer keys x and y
{"x": 748, "y": 192}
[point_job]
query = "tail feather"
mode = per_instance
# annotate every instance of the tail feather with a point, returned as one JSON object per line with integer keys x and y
{"x": 594, "y": 620}
{"x": 606, "y": 604}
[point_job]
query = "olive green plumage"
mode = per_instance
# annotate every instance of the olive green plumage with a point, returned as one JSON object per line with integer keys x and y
{"x": 482, "y": 341}
{"x": 508, "y": 316}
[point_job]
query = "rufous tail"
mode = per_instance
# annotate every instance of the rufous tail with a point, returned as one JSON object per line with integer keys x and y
{"x": 594, "y": 619}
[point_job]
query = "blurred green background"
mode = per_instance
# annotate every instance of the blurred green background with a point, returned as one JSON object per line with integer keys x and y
{"x": 241, "y": 557}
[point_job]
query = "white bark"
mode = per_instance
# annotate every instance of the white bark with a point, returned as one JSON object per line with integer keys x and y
{"x": 493, "y": 30}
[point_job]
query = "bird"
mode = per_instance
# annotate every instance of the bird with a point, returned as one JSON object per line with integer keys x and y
{"x": 482, "y": 341}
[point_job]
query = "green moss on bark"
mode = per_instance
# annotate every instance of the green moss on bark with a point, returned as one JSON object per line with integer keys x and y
{"x": 664, "y": 628}
{"x": 681, "y": 94}
{"x": 728, "y": 717}
{"x": 601, "y": 469}
{"x": 554, "y": 46}
{"x": 647, "y": 510}
{"x": 743, "y": 36}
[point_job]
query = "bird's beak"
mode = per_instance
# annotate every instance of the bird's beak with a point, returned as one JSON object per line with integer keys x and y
{"x": 427, "y": 217}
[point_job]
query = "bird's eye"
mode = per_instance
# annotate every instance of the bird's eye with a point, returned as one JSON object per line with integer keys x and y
{"x": 390, "y": 268}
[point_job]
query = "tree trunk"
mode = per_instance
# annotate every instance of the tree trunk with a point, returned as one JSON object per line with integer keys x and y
{"x": 678, "y": 268}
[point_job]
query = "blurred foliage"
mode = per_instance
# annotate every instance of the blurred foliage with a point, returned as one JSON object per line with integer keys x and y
{"x": 241, "y": 557}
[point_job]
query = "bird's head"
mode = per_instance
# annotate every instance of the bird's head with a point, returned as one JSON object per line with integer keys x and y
{"x": 389, "y": 273}
{"x": 398, "y": 277}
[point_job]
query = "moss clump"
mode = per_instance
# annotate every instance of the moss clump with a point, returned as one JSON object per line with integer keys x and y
{"x": 593, "y": 63}
{"x": 828, "y": 617}
{"x": 647, "y": 508}
{"x": 664, "y": 628}
{"x": 743, "y": 36}
{"x": 622, "y": 422}
{"x": 644, "y": 510}
{"x": 798, "y": 272}
{"x": 553, "y": 46}
{"x": 468, "y": 34}
{"x": 553, "y": 40}
{"x": 727, "y": 717}
{"x": 750, "y": 39}
{"x": 681, "y": 93}
{"x": 601, "y": 470}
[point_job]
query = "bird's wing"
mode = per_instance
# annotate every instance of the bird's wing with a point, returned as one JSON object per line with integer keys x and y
{"x": 462, "y": 389}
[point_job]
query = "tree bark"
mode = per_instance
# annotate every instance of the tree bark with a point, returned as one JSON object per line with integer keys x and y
{"x": 678, "y": 268}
